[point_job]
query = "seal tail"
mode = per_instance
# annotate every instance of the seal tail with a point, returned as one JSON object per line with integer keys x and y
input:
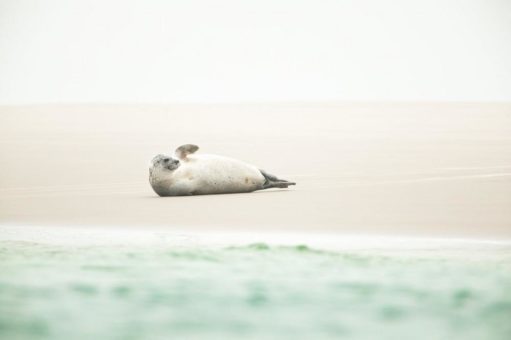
{"x": 272, "y": 181}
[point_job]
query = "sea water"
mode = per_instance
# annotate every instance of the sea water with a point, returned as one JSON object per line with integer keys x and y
{"x": 124, "y": 285}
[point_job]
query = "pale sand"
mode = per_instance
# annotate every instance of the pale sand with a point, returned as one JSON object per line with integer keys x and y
{"x": 390, "y": 169}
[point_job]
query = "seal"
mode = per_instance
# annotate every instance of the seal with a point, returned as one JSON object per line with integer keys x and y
{"x": 188, "y": 173}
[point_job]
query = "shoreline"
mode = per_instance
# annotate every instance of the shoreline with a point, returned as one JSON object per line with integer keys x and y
{"x": 118, "y": 235}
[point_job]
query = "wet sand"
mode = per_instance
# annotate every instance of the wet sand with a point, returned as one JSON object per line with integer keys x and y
{"x": 418, "y": 169}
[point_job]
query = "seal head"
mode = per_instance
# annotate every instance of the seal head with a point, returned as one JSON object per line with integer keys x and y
{"x": 161, "y": 171}
{"x": 164, "y": 163}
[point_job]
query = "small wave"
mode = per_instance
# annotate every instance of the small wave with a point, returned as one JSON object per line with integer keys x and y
{"x": 252, "y": 290}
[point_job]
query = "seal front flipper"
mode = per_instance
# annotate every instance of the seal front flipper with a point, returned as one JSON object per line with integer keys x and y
{"x": 272, "y": 181}
{"x": 184, "y": 150}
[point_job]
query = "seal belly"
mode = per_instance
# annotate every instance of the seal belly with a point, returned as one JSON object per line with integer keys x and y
{"x": 209, "y": 174}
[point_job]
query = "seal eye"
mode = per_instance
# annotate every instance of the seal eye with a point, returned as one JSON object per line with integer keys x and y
{"x": 166, "y": 160}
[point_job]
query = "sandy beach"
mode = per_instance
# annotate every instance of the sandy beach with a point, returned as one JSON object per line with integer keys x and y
{"x": 392, "y": 169}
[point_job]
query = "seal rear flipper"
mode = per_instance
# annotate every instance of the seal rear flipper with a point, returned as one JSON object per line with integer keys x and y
{"x": 272, "y": 181}
{"x": 185, "y": 150}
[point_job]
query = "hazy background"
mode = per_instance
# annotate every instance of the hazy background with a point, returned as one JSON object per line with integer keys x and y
{"x": 232, "y": 51}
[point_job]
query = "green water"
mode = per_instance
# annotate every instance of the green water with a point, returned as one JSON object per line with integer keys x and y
{"x": 256, "y": 291}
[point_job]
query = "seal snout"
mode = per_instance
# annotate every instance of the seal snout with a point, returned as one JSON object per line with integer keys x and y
{"x": 171, "y": 163}
{"x": 165, "y": 162}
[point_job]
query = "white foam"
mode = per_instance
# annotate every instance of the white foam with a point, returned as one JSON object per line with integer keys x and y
{"x": 119, "y": 236}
